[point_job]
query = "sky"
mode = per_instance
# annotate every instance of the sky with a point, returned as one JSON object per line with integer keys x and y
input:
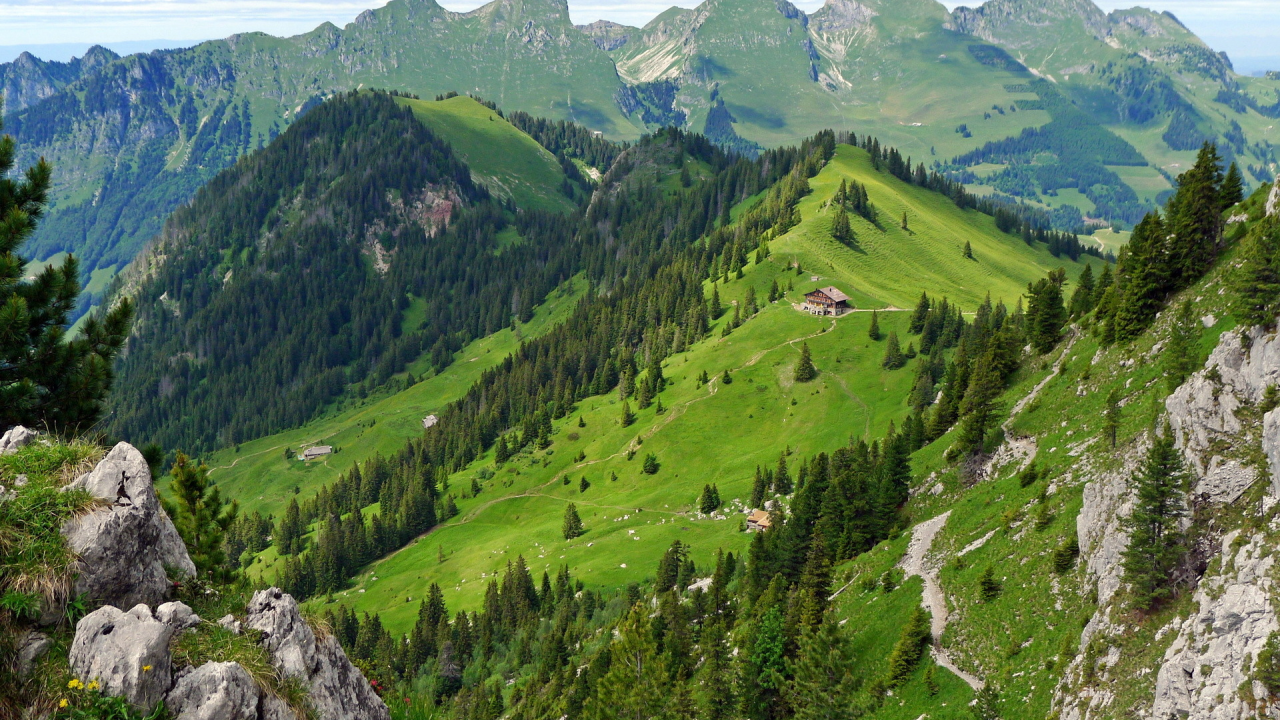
{"x": 1249, "y": 30}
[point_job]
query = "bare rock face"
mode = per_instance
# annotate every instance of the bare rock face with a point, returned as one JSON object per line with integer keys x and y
{"x": 177, "y": 614}
{"x": 214, "y": 691}
{"x": 125, "y": 547}
{"x": 126, "y": 652}
{"x": 1273, "y": 200}
{"x": 31, "y": 648}
{"x": 1204, "y": 409}
{"x": 1206, "y": 666}
{"x": 338, "y": 689}
{"x": 14, "y": 438}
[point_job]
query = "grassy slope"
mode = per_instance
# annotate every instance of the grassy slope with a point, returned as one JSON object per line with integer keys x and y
{"x": 892, "y": 266}
{"x": 715, "y": 435}
{"x": 258, "y": 475}
{"x": 510, "y": 163}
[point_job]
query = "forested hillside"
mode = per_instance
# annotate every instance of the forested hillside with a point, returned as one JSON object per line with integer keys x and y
{"x": 292, "y": 277}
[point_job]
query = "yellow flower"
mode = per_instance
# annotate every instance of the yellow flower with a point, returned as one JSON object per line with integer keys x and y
{"x": 74, "y": 684}
{"x": 146, "y": 668}
{"x": 62, "y": 703}
{"x": 93, "y": 685}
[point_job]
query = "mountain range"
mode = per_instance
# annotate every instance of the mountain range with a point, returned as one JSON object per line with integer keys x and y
{"x": 131, "y": 138}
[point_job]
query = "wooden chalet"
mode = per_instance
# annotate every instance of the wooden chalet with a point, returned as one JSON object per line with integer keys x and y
{"x": 758, "y": 520}
{"x": 826, "y": 301}
{"x": 314, "y": 452}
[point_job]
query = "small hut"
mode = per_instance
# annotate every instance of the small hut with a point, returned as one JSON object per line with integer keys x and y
{"x": 316, "y": 451}
{"x": 826, "y": 301}
{"x": 758, "y": 520}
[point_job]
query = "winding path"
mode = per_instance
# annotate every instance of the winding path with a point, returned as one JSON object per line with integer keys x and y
{"x": 916, "y": 563}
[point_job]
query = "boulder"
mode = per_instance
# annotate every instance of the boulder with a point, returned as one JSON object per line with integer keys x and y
{"x": 14, "y": 438}
{"x": 229, "y": 622}
{"x": 338, "y": 690}
{"x": 177, "y": 614}
{"x": 214, "y": 691}
{"x": 31, "y": 648}
{"x": 126, "y": 652}
{"x": 127, "y": 548}
{"x": 1273, "y": 200}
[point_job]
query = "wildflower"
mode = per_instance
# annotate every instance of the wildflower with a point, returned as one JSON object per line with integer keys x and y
{"x": 62, "y": 703}
{"x": 146, "y": 668}
{"x": 74, "y": 684}
{"x": 93, "y": 685}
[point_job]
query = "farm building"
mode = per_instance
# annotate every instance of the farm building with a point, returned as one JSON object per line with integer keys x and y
{"x": 758, "y": 520}
{"x": 316, "y": 451}
{"x": 429, "y": 421}
{"x": 826, "y": 301}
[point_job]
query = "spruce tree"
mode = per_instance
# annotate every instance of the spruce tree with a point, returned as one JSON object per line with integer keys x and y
{"x": 572, "y": 526}
{"x": 893, "y": 357}
{"x": 840, "y": 229}
{"x": 909, "y": 648}
{"x": 873, "y": 332}
{"x": 1257, "y": 280}
{"x": 1146, "y": 278}
{"x": 48, "y": 378}
{"x": 919, "y": 314}
{"x": 628, "y": 417}
{"x": 202, "y": 517}
{"x": 968, "y": 250}
{"x": 1156, "y": 545}
{"x": 1195, "y": 219}
{"x": 1181, "y": 356}
{"x": 290, "y": 531}
{"x": 979, "y": 408}
{"x": 988, "y": 587}
{"x": 1232, "y": 187}
{"x": 651, "y": 465}
{"x": 1046, "y": 314}
{"x": 1111, "y": 417}
{"x": 805, "y": 371}
{"x": 824, "y": 685}
{"x": 1082, "y": 298}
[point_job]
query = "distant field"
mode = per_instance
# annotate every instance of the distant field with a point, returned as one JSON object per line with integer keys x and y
{"x": 257, "y": 474}
{"x": 510, "y": 163}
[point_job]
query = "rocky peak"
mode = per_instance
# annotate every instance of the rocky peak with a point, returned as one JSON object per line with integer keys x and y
{"x": 996, "y": 20}
{"x": 841, "y": 15}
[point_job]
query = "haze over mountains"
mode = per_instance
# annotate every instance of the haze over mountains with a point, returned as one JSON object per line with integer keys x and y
{"x": 132, "y": 137}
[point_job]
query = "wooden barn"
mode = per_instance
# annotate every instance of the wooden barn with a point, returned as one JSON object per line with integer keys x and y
{"x": 826, "y": 301}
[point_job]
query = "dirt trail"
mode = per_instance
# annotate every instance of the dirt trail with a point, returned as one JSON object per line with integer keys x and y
{"x": 916, "y": 563}
{"x": 1035, "y": 391}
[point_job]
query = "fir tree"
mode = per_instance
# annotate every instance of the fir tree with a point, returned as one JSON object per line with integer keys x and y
{"x": 968, "y": 250}
{"x": 572, "y": 526}
{"x": 873, "y": 332}
{"x": 583, "y": 484}
{"x": 1232, "y": 187}
{"x": 651, "y": 465}
{"x": 726, "y": 378}
{"x": 841, "y": 232}
{"x": 1146, "y": 278}
{"x": 823, "y": 685}
{"x": 782, "y": 477}
{"x": 1082, "y": 298}
{"x": 289, "y": 535}
{"x": 1257, "y": 280}
{"x": 759, "y": 487}
{"x": 1155, "y": 541}
{"x": 628, "y": 417}
{"x": 805, "y": 371}
{"x": 709, "y": 501}
{"x": 909, "y": 649}
{"x": 904, "y": 224}
{"x": 893, "y": 357}
{"x": 48, "y": 377}
{"x": 716, "y": 308}
{"x": 1195, "y": 219}
{"x": 202, "y": 517}
{"x": 988, "y": 587}
{"x": 979, "y": 408}
{"x": 1111, "y": 417}
{"x": 1181, "y": 356}
{"x": 1045, "y": 312}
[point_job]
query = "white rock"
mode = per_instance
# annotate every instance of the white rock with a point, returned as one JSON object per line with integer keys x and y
{"x": 337, "y": 688}
{"x": 125, "y": 547}
{"x": 31, "y": 648}
{"x": 230, "y": 622}
{"x": 177, "y": 614}
{"x": 214, "y": 691}
{"x": 15, "y": 438}
{"x": 126, "y": 652}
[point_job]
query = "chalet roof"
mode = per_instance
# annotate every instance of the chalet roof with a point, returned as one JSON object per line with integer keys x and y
{"x": 759, "y": 517}
{"x": 832, "y": 293}
{"x": 317, "y": 450}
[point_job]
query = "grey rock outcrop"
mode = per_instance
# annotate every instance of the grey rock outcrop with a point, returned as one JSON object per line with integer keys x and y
{"x": 15, "y": 438}
{"x": 31, "y": 648}
{"x": 127, "y": 548}
{"x": 1205, "y": 667}
{"x": 215, "y": 691}
{"x": 177, "y": 614}
{"x": 229, "y": 622}
{"x": 1204, "y": 409}
{"x": 1273, "y": 200}
{"x": 126, "y": 652}
{"x": 337, "y": 688}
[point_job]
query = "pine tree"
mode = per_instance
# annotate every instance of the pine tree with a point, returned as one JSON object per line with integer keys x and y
{"x": 202, "y": 517}
{"x": 1181, "y": 356}
{"x": 1146, "y": 278}
{"x": 782, "y": 477}
{"x": 572, "y": 526}
{"x": 873, "y": 332}
{"x": 919, "y": 314}
{"x": 1232, "y": 187}
{"x": 759, "y": 487}
{"x": 805, "y": 371}
{"x": 1195, "y": 218}
{"x": 893, "y": 357}
{"x": 968, "y": 250}
{"x": 583, "y": 484}
{"x": 904, "y": 223}
{"x": 988, "y": 587}
{"x": 1155, "y": 541}
{"x": 823, "y": 685}
{"x": 628, "y": 417}
{"x": 841, "y": 232}
{"x": 1257, "y": 280}
{"x": 726, "y": 378}
{"x": 1082, "y": 298}
{"x": 986, "y": 706}
{"x": 909, "y": 648}
{"x": 979, "y": 408}
{"x": 48, "y": 377}
{"x": 1046, "y": 315}
{"x": 709, "y": 501}
{"x": 651, "y": 465}
{"x": 716, "y": 308}
{"x": 290, "y": 533}
{"x": 637, "y": 674}
{"x": 1111, "y": 417}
